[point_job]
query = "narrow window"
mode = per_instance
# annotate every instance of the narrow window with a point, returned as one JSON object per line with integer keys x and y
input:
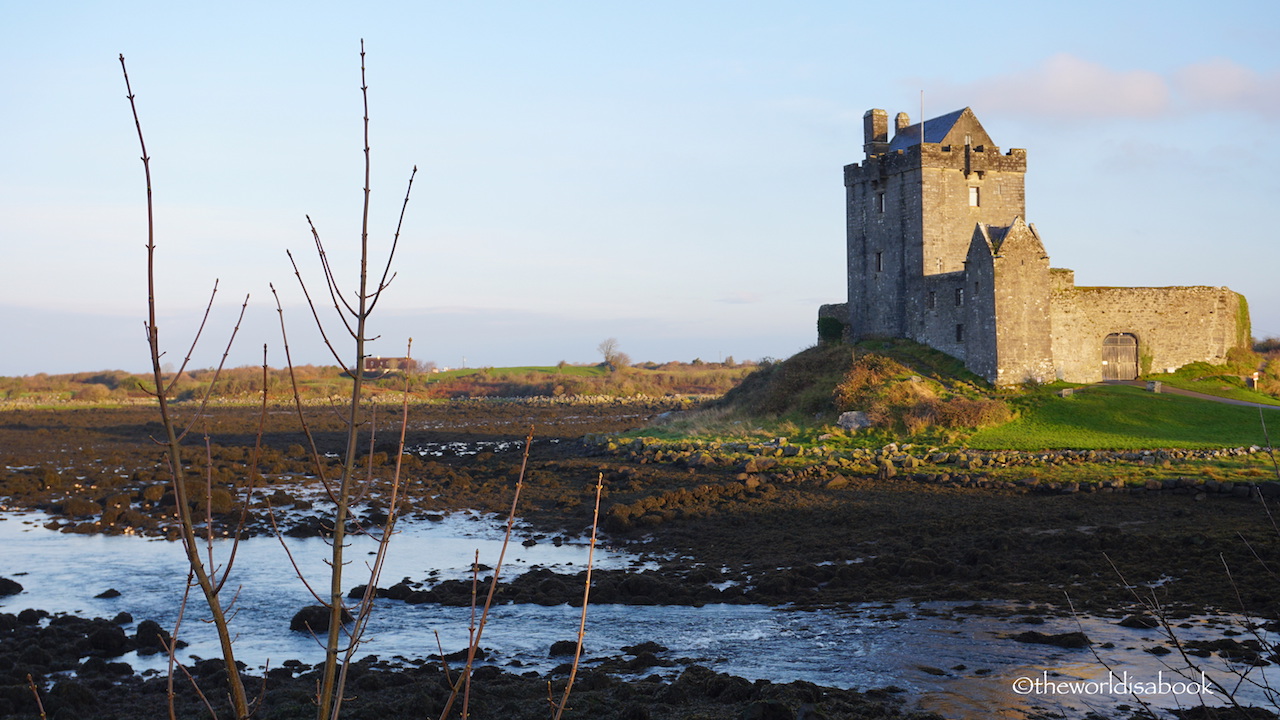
{"x": 879, "y": 262}
{"x": 973, "y": 197}
{"x": 932, "y": 301}
{"x": 959, "y": 296}
{"x": 975, "y": 288}
{"x": 879, "y": 202}
{"x": 960, "y": 332}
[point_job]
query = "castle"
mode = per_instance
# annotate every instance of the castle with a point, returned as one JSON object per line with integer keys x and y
{"x": 939, "y": 252}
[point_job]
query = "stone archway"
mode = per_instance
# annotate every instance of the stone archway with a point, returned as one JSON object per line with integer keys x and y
{"x": 1120, "y": 356}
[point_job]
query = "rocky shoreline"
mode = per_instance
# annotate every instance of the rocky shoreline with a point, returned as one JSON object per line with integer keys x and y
{"x": 70, "y": 664}
{"x": 764, "y": 523}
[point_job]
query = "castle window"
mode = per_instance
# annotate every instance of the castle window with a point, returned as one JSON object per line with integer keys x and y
{"x": 959, "y": 296}
{"x": 973, "y": 197}
{"x": 879, "y": 262}
{"x": 960, "y": 332}
{"x": 932, "y": 301}
{"x": 975, "y": 287}
{"x": 879, "y": 202}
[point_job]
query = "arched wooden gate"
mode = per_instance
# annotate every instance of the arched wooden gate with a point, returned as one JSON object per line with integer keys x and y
{"x": 1120, "y": 357}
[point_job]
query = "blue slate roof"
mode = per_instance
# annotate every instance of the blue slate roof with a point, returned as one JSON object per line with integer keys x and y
{"x": 935, "y": 130}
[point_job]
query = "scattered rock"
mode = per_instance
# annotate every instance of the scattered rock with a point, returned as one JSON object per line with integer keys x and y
{"x": 1062, "y": 640}
{"x": 854, "y": 420}
{"x": 563, "y": 647}
{"x": 315, "y": 618}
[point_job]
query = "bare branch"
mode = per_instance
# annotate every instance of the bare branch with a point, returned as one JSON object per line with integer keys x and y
{"x": 395, "y": 240}
{"x": 195, "y": 340}
{"x": 314, "y": 313}
{"x": 204, "y": 402}
{"x": 331, "y": 281}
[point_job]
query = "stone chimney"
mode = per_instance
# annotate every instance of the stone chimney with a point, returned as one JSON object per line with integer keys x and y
{"x": 901, "y": 122}
{"x": 875, "y": 132}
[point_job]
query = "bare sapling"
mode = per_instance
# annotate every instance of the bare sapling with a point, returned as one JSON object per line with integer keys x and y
{"x": 209, "y": 577}
{"x": 353, "y": 482}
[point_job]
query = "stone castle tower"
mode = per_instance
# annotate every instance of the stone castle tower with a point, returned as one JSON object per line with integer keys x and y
{"x": 939, "y": 252}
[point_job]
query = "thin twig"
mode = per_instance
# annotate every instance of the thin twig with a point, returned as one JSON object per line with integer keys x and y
{"x": 195, "y": 340}
{"x": 395, "y": 241}
{"x": 361, "y": 620}
{"x": 316, "y": 457}
{"x": 36, "y": 692}
{"x": 253, "y": 473}
{"x": 586, "y": 596}
{"x": 204, "y": 401}
{"x": 314, "y": 312}
{"x": 493, "y": 580}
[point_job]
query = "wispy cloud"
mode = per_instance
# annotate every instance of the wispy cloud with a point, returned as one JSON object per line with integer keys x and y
{"x": 1220, "y": 84}
{"x": 1065, "y": 87}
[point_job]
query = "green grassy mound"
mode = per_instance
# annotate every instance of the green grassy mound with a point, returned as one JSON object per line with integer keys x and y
{"x": 911, "y": 392}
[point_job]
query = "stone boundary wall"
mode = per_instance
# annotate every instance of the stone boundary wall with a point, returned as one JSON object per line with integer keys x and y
{"x": 1174, "y": 326}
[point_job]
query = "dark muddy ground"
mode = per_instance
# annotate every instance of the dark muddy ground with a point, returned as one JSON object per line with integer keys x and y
{"x": 722, "y": 534}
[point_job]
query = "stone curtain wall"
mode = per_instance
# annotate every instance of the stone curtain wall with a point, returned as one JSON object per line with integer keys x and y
{"x": 1174, "y": 326}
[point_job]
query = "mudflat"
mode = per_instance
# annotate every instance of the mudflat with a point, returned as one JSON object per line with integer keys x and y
{"x": 717, "y": 529}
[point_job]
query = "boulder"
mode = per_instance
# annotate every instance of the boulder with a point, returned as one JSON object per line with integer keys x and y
{"x": 109, "y": 640}
{"x": 563, "y": 647}
{"x": 854, "y": 420}
{"x": 315, "y": 618}
{"x": 9, "y": 587}
{"x": 151, "y": 635}
{"x": 79, "y": 507}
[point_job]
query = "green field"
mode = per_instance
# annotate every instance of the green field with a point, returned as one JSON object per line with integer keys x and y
{"x": 1122, "y": 417}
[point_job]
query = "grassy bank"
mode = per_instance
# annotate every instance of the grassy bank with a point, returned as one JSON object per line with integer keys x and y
{"x": 1123, "y": 418}
{"x": 907, "y": 392}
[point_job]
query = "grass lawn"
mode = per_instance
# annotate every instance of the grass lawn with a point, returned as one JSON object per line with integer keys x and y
{"x": 1215, "y": 386}
{"x": 1126, "y": 418}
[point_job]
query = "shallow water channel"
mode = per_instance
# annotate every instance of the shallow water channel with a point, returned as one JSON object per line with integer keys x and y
{"x": 960, "y": 665}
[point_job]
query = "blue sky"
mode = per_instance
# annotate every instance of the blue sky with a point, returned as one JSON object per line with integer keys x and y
{"x": 666, "y": 173}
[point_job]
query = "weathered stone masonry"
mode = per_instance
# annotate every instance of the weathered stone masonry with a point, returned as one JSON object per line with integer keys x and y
{"x": 939, "y": 252}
